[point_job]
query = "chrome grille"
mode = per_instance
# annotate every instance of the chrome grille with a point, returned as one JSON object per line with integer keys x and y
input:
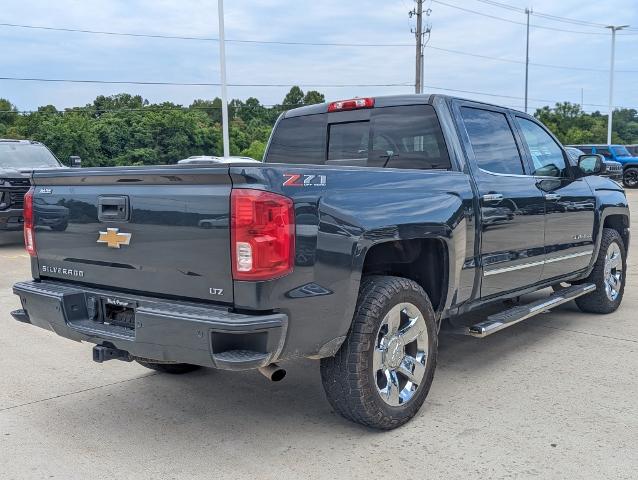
{"x": 19, "y": 182}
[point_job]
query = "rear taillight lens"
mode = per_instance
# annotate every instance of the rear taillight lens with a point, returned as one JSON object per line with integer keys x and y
{"x": 29, "y": 236}
{"x": 262, "y": 234}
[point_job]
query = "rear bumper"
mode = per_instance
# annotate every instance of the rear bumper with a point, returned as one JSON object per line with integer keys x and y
{"x": 164, "y": 330}
{"x": 11, "y": 220}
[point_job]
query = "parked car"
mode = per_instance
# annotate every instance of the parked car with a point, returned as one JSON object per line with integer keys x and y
{"x": 17, "y": 159}
{"x": 611, "y": 169}
{"x": 372, "y": 226}
{"x": 620, "y": 154}
{"x": 208, "y": 159}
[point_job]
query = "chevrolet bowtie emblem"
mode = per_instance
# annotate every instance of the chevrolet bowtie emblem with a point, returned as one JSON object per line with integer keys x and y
{"x": 113, "y": 238}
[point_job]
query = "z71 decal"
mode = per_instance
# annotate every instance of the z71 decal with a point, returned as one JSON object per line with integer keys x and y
{"x": 302, "y": 180}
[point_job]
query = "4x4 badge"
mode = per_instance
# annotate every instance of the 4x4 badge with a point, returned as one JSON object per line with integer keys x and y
{"x": 113, "y": 238}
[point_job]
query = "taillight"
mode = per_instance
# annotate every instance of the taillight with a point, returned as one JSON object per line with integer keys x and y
{"x": 262, "y": 234}
{"x": 352, "y": 104}
{"x": 29, "y": 237}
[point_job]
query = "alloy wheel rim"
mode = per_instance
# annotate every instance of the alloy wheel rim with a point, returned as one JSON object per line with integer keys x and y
{"x": 613, "y": 271}
{"x": 400, "y": 354}
{"x": 631, "y": 179}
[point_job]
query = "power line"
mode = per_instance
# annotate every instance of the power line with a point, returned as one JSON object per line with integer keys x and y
{"x": 546, "y": 65}
{"x": 201, "y": 84}
{"x": 212, "y": 39}
{"x": 498, "y": 95}
{"x": 495, "y": 17}
{"x": 202, "y": 39}
{"x": 547, "y": 16}
{"x": 239, "y": 107}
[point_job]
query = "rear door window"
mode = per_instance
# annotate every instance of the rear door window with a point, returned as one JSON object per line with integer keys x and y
{"x": 492, "y": 141}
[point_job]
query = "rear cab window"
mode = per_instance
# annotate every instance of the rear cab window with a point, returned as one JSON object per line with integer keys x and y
{"x": 407, "y": 137}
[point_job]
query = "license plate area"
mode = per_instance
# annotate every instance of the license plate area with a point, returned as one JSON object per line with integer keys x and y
{"x": 112, "y": 312}
{"x": 119, "y": 316}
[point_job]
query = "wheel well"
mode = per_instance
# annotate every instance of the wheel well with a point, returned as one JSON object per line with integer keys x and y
{"x": 620, "y": 223}
{"x": 421, "y": 260}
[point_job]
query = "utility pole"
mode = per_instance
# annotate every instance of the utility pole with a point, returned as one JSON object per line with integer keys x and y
{"x": 527, "y": 12}
{"x": 425, "y": 39}
{"x": 614, "y": 29}
{"x": 418, "y": 34}
{"x": 222, "y": 64}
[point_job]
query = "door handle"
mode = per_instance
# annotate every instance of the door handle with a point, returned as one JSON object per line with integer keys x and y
{"x": 492, "y": 197}
{"x": 552, "y": 196}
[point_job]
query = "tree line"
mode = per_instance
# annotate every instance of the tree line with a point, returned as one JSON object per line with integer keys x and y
{"x": 126, "y": 129}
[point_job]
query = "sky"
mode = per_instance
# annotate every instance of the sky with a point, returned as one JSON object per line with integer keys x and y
{"x": 52, "y": 54}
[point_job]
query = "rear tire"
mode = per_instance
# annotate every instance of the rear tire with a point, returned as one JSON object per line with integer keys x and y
{"x": 630, "y": 177}
{"x": 608, "y": 275}
{"x": 172, "y": 368}
{"x": 383, "y": 371}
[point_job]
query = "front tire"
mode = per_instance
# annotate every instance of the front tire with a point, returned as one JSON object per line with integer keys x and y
{"x": 608, "y": 275}
{"x": 630, "y": 177}
{"x": 383, "y": 371}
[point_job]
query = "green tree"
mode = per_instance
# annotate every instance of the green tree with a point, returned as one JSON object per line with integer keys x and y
{"x": 8, "y": 116}
{"x": 255, "y": 150}
{"x": 572, "y": 125}
{"x": 294, "y": 98}
{"x": 313, "y": 96}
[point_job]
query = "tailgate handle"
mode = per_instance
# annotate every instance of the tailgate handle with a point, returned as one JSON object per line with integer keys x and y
{"x": 113, "y": 209}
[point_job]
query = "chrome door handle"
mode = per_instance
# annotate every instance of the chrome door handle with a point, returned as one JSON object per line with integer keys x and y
{"x": 552, "y": 196}
{"x": 492, "y": 197}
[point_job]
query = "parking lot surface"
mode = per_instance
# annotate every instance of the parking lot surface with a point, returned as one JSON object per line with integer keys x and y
{"x": 552, "y": 397}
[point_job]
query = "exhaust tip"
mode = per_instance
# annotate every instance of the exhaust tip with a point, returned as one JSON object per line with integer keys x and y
{"x": 273, "y": 372}
{"x": 278, "y": 375}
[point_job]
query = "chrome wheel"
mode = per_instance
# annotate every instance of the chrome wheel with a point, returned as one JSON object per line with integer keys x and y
{"x": 613, "y": 271}
{"x": 400, "y": 354}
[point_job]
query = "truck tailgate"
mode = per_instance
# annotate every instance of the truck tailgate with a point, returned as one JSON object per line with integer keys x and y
{"x": 159, "y": 230}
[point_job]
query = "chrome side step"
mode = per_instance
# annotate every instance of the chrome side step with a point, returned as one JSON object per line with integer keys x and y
{"x": 510, "y": 317}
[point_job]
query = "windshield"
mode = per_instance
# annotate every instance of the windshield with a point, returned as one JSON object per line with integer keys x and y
{"x": 26, "y": 156}
{"x": 621, "y": 151}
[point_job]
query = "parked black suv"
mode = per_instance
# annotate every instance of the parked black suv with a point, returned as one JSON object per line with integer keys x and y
{"x": 18, "y": 158}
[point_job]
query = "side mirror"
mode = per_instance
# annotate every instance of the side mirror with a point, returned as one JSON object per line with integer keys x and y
{"x": 590, "y": 164}
{"x": 75, "y": 161}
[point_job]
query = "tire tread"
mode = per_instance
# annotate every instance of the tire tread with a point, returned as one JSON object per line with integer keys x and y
{"x": 345, "y": 376}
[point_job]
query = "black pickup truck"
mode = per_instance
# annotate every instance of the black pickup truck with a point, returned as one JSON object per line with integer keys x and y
{"x": 373, "y": 224}
{"x": 18, "y": 158}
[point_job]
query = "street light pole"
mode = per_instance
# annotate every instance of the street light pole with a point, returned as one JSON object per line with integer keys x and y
{"x": 527, "y": 12}
{"x": 222, "y": 65}
{"x": 614, "y": 29}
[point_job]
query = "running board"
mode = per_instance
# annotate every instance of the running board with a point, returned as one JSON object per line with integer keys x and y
{"x": 510, "y": 317}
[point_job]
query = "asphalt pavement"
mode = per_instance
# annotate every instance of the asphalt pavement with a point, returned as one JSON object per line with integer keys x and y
{"x": 553, "y": 397}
